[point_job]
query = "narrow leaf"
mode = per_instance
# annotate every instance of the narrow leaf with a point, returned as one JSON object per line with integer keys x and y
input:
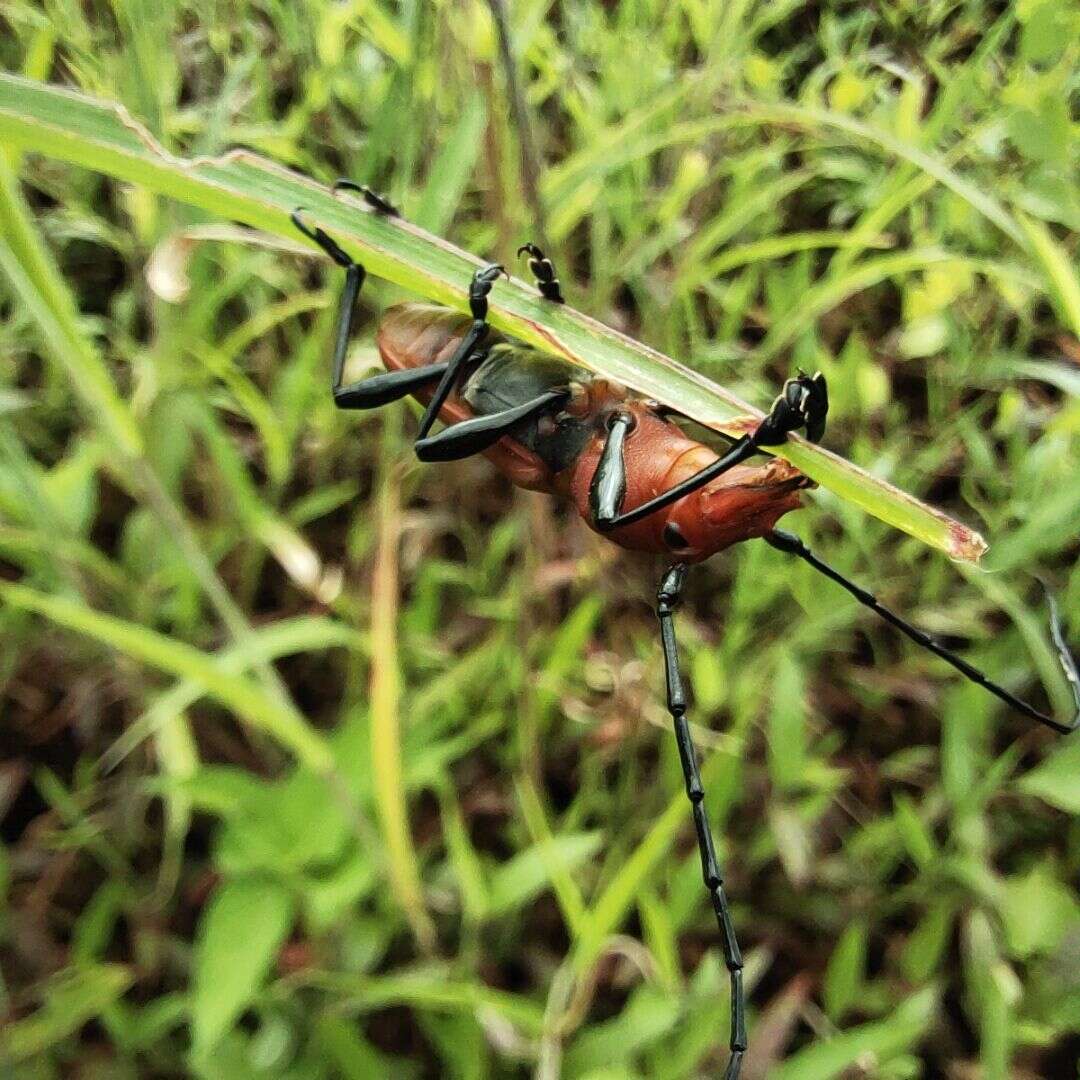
{"x": 517, "y": 882}
{"x": 1060, "y": 272}
{"x": 246, "y": 188}
{"x": 1057, "y": 779}
{"x": 883, "y": 1039}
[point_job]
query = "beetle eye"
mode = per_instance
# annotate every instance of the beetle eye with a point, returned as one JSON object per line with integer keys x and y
{"x": 674, "y": 538}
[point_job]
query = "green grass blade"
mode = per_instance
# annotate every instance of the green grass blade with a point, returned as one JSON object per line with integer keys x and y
{"x": 246, "y": 188}
{"x": 248, "y": 700}
{"x": 1060, "y": 272}
{"x": 814, "y": 119}
{"x": 879, "y": 1041}
{"x": 305, "y": 633}
{"x": 431, "y": 987}
{"x": 610, "y": 908}
{"x": 387, "y": 766}
{"x": 35, "y": 282}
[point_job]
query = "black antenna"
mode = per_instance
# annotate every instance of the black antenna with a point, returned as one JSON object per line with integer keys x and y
{"x": 785, "y": 541}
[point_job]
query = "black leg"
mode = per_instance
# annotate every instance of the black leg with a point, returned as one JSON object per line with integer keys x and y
{"x": 372, "y": 198}
{"x": 543, "y": 269}
{"x": 785, "y": 541}
{"x": 481, "y": 285}
{"x": 379, "y": 389}
{"x": 387, "y": 386}
{"x": 803, "y": 402}
{"x": 477, "y": 434}
{"x": 354, "y": 279}
{"x": 667, "y": 599}
{"x": 616, "y": 467}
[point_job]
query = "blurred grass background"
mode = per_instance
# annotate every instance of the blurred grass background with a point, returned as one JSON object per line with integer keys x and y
{"x": 499, "y": 876}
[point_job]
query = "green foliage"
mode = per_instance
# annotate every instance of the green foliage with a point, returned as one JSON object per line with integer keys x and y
{"x": 241, "y": 930}
{"x": 322, "y": 765}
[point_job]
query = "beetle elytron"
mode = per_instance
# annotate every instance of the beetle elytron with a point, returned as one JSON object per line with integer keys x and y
{"x": 631, "y": 473}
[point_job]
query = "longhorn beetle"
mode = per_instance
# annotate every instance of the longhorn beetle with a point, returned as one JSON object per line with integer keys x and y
{"x": 632, "y": 474}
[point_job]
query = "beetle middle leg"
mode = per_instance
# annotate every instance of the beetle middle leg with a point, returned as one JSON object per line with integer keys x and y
{"x": 667, "y": 599}
{"x": 482, "y": 281}
{"x": 478, "y": 433}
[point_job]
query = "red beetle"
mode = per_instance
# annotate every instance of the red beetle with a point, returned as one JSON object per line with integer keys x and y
{"x": 631, "y": 473}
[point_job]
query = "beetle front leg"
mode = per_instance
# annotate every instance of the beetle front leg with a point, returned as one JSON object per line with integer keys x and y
{"x": 803, "y": 402}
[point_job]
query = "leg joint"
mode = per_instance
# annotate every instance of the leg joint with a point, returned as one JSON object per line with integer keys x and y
{"x": 670, "y": 591}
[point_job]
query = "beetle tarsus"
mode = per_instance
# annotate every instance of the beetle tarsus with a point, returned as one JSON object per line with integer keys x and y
{"x": 803, "y": 402}
{"x": 317, "y": 236}
{"x": 376, "y": 201}
{"x": 667, "y": 600}
{"x": 543, "y": 270}
{"x": 480, "y": 287}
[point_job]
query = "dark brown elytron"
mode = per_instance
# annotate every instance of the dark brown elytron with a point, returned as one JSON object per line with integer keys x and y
{"x": 631, "y": 473}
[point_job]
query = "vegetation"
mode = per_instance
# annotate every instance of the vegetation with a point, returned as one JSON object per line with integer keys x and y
{"x": 320, "y": 763}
